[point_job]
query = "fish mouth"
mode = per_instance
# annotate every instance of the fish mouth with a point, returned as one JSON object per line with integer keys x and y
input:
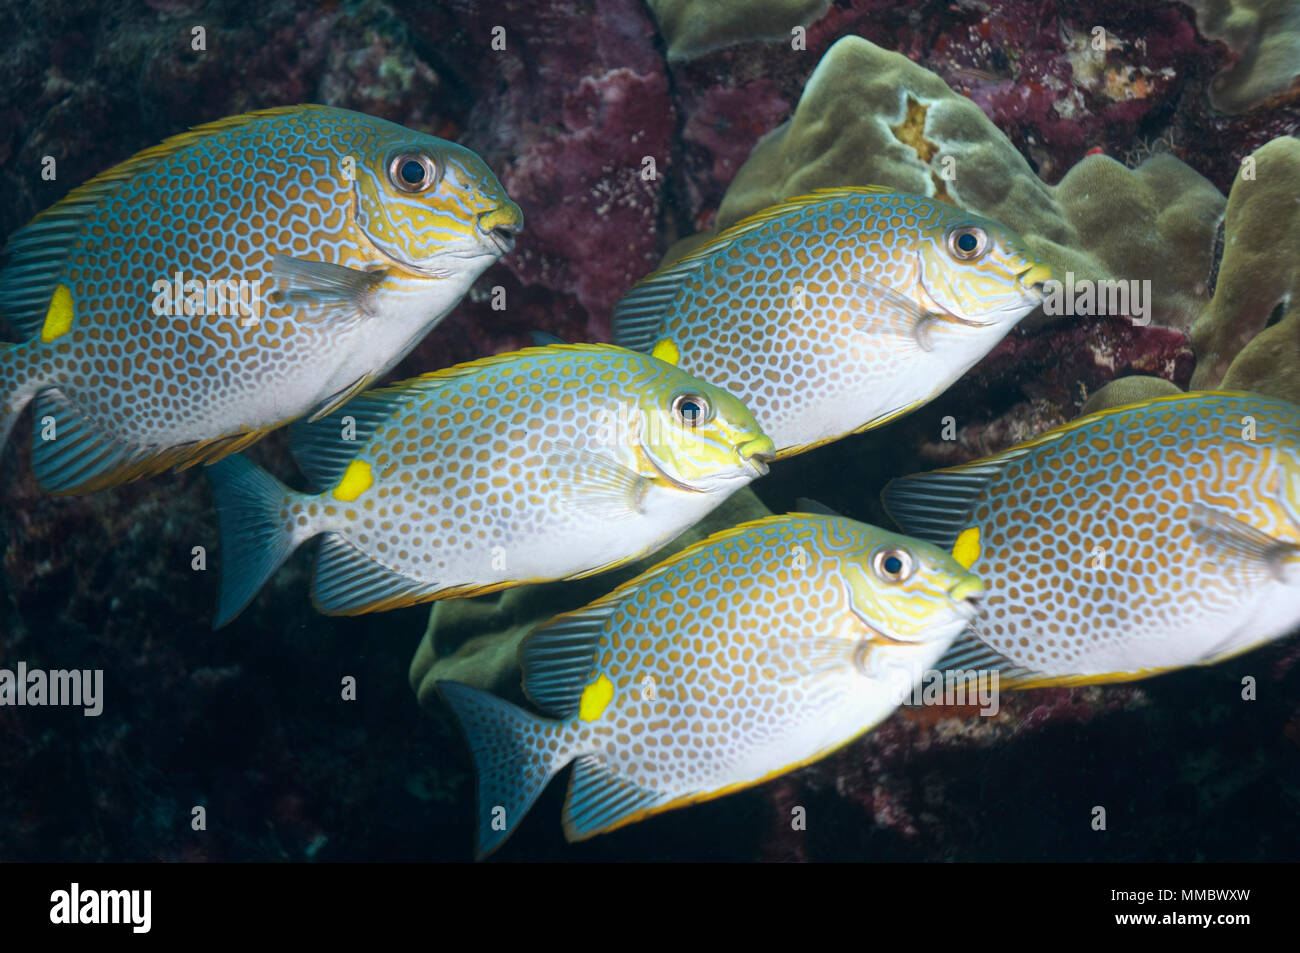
{"x": 501, "y": 225}
{"x": 758, "y": 452}
{"x": 965, "y": 596}
{"x": 1034, "y": 276}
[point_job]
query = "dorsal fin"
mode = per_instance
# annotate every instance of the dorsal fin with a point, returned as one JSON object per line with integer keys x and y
{"x": 936, "y": 506}
{"x": 638, "y": 317}
{"x": 37, "y": 253}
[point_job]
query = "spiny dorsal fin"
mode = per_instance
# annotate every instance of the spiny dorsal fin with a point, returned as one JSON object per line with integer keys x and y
{"x": 936, "y": 506}
{"x": 37, "y": 253}
{"x": 638, "y": 317}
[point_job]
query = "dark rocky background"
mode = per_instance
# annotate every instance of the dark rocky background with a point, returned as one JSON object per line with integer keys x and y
{"x": 249, "y": 722}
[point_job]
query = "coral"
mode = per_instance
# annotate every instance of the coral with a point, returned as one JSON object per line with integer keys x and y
{"x": 870, "y": 116}
{"x": 1128, "y": 390}
{"x": 693, "y": 27}
{"x": 1265, "y": 36}
{"x": 474, "y": 640}
{"x": 1249, "y": 336}
{"x": 575, "y": 117}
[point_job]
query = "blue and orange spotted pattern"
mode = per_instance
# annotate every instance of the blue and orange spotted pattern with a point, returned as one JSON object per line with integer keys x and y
{"x": 541, "y": 464}
{"x": 1132, "y": 541}
{"x": 837, "y": 311}
{"x": 281, "y": 201}
{"x": 762, "y": 648}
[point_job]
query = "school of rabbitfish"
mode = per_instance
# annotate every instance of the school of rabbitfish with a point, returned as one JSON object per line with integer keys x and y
{"x": 1126, "y": 543}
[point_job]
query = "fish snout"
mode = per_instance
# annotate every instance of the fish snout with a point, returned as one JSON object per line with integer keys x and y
{"x": 759, "y": 451}
{"x": 501, "y": 225}
{"x": 965, "y": 595}
{"x": 1033, "y": 277}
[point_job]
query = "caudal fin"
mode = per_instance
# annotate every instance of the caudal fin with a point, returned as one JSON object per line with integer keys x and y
{"x": 255, "y": 540}
{"x": 514, "y": 757}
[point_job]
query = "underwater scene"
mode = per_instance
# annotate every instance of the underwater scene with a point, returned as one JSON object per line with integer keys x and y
{"x": 650, "y": 430}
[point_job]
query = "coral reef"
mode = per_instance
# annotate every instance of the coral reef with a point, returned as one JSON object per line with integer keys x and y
{"x": 250, "y": 722}
{"x": 692, "y": 27}
{"x": 870, "y": 116}
{"x": 1128, "y": 390}
{"x": 1265, "y": 37}
{"x": 1249, "y": 336}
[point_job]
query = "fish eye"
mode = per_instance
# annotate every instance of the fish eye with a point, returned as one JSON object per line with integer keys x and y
{"x": 692, "y": 409}
{"x": 892, "y": 565}
{"x": 968, "y": 242}
{"x": 412, "y": 172}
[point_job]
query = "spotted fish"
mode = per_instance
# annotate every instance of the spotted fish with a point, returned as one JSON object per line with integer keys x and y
{"x": 547, "y": 463}
{"x": 760, "y": 649}
{"x": 1128, "y": 542}
{"x": 235, "y": 277}
{"x": 838, "y": 311}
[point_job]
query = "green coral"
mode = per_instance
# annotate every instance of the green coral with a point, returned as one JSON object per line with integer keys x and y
{"x": 1249, "y": 336}
{"x": 694, "y": 27}
{"x": 1265, "y": 36}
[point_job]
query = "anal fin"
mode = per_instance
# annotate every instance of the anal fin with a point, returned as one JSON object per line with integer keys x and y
{"x": 348, "y": 582}
{"x": 599, "y": 800}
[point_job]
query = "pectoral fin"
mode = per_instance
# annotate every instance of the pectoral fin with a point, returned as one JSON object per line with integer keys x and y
{"x": 1226, "y": 535}
{"x": 597, "y": 484}
{"x": 321, "y": 288}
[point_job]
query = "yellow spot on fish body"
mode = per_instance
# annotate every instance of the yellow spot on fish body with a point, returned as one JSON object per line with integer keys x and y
{"x": 666, "y": 351}
{"x": 595, "y": 698}
{"x": 967, "y": 548}
{"x": 58, "y": 320}
{"x": 356, "y": 480}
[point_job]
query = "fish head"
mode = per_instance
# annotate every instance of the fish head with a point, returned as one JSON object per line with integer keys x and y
{"x": 699, "y": 437}
{"x": 979, "y": 273}
{"x": 433, "y": 207}
{"x": 912, "y": 597}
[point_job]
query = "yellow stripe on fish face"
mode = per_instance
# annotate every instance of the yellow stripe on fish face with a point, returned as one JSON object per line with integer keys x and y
{"x": 454, "y": 206}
